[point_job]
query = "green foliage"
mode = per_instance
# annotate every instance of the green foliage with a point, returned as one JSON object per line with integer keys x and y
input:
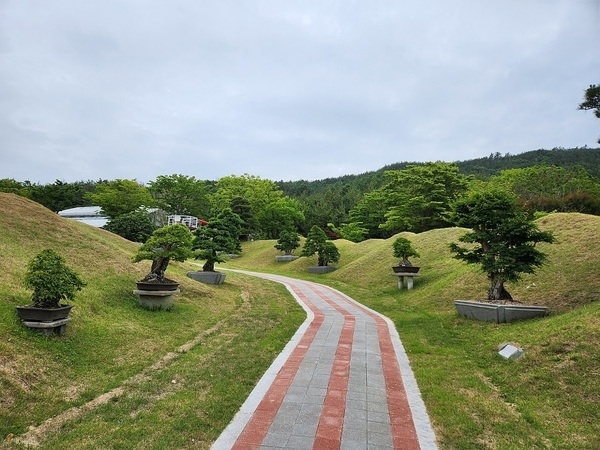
{"x": 242, "y": 208}
{"x": 51, "y": 279}
{"x": 370, "y": 213}
{"x": 403, "y": 249}
{"x": 317, "y": 242}
{"x": 289, "y": 240}
{"x": 353, "y": 231}
{"x": 329, "y": 253}
{"x": 120, "y": 196}
{"x": 505, "y": 239}
{"x": 135, "y": 226}
{"x": 61, "y": 195}
{"x": 171, "y": 242}
{"x": 420, "y": 196}
{"x": 220, "y": 235}
{"x": 258, "y": 192}
{"x": 549, "y": 188}
{"x": 332, "y": 204}
{"x": 181, "y": 194}
{"x": 282, "y": 214}
{"x": 592, "y": 100}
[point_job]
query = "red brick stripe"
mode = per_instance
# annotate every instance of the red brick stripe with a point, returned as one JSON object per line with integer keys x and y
{"x": 329, "y": 431}
{"x": 257, "y": 427}
{"x": 404, "y": 433}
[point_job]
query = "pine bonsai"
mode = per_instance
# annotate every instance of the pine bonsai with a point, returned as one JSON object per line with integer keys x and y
{"x": 171, "y": 242}
{"x": 289, "y": 240}
{"x": 317, "y": 242}
{"x": 504, "y": 238}
{"x": 219, "y": 236}
{"x": 403, "y": 249}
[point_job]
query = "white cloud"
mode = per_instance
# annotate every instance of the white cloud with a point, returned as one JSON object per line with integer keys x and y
{"x": 287, "y": 90}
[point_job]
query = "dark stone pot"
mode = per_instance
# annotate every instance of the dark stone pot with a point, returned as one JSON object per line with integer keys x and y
{"x": 35, "y": 314}
{"x": 405, "y": 269}
{"x": 154, "y": 286}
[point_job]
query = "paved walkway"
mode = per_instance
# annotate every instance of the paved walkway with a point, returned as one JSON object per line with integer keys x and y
{"x": 342, "y": 382}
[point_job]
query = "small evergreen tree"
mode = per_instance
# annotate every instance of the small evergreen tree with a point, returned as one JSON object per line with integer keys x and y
{"x": 505, "y": 238}
{"x": 403, "y": 249}
{"x": 289, "y": 240}
{"x": 316, "y": 242}
{"x": 220, "y": 235}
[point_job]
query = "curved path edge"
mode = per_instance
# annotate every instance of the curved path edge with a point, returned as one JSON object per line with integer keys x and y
{"x": 422, "y": 423}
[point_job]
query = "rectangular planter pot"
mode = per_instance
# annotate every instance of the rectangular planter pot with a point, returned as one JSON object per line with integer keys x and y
{"x": 285, "y": 258}
{"x": 491, "y": 312}
{"x": 207, "y": 277}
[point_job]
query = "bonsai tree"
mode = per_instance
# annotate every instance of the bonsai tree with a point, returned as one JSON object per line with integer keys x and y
{"x": 289, "y": 240}
{"x": 220, "y": 235}
{"x": 51, "y": 280}
{"x": 171, "y": 242}
{"x": 317, "y": 242}
{"x": 504, "y": 238}
{"x": 403, "y": 249}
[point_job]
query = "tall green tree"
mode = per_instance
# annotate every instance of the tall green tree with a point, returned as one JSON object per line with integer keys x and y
{"x": 502, "y": 240}
{"x": 61, "y": 195}
{"x": 370, "y": 213}
{"x": 257, "y": 191}
{"x": 135, "y": 226}
{"x": 242, "y": 208}
{"x": 120, "y": 196}
{"x": 421, "y": 195}
{"x": 591, "y": 100}
{"x": 282, "y": 214}
{"x": 181, "y": 194}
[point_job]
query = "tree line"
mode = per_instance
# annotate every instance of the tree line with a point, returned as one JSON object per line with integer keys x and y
{"x": 403, "y": 197}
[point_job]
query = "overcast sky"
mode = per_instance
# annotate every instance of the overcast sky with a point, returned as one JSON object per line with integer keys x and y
{"x": 287, "y": 90}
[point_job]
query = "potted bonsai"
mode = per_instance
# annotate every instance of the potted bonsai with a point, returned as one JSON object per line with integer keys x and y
{"x": 403, "y": 249}
{"x": 52, "y": 282}
{"x": 502, "y": 242}
{"x": 317, "y": 242}
{"x": 171, "y": 242}
{"x": 219, "y": 237}
{"x": 289, "y": 240}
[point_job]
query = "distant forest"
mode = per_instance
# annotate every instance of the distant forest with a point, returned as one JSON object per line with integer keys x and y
{"x": 406, "y": 196}
{"x": 481, "y": 168}
{"x": 331, "y": 199}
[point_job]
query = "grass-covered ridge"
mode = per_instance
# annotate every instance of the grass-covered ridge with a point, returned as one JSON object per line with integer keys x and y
{"x": 182, "y": 397}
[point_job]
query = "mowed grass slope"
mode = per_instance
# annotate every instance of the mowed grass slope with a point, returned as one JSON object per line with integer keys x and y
{"x": 181, "y": 375}
{"x": 477, "y": 400}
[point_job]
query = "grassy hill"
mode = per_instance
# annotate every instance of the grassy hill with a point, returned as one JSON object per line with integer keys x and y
{"x": 123, "y": 377}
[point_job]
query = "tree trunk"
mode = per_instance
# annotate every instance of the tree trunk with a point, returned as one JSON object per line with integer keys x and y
{"x": 209, "y": 265}
{"x": 497, "y": 291}
{"x": 157, "y": 271}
